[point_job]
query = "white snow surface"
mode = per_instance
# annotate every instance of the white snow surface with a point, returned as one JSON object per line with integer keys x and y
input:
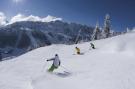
{"x": 110, "y": 66}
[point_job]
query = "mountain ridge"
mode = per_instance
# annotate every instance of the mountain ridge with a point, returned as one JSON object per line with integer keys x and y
{"x": 28, "y": 35}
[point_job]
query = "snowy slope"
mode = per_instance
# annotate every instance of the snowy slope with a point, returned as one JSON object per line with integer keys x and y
{"x": 110, "y": 66}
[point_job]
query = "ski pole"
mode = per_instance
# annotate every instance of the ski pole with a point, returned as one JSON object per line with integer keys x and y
{"x": 65, "y": 68}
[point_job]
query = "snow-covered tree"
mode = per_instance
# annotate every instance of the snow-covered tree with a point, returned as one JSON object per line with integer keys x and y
{"x": 77, "y": 38}
{"x": 112, "y": 33}
{"x": 96, "y": 33}
{"x": 128, "y": 30}
{"x": 107, "y": 26}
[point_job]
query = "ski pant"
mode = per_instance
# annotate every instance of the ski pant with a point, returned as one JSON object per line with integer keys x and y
{"x": 93, "y": 47}
{"x": 78, "y": 52}
{"x": 51, "y": 69}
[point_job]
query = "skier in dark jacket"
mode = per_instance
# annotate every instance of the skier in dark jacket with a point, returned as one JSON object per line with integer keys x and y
{"x": 92, "y": 45}
{"x": 56, "y": 63}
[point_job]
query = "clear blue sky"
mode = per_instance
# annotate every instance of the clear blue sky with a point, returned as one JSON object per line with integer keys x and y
{"x": 87, "y": 12}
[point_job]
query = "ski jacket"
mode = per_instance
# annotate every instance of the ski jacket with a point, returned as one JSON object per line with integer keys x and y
{"x": 92, "y": 45}
{"x": 56, "y": 61}
{"x": 77, "y": 49}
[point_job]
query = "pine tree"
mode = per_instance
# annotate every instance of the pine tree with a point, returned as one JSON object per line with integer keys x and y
{"x": 128, "y": 30}
{"x": 78, "y": 36}
{"x": 107, "y": 26}
{"x": 96, "y": 33}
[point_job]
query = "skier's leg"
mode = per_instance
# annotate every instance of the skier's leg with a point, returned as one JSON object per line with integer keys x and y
{"x": 78, "y": 52}
{"x": 51, "y": 68}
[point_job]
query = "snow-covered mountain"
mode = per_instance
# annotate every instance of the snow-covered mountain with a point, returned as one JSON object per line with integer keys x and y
{"x": 109, "y": 66}
{"x": 20, "y": 37}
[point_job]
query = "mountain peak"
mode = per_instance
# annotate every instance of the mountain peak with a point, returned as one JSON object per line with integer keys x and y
{"x": 21, "y": 17}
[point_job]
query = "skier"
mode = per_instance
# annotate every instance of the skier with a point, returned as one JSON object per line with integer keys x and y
{"x": 92, "y": 45}
{"x": 56, "y": 63}
{"x": 77, "y": 50}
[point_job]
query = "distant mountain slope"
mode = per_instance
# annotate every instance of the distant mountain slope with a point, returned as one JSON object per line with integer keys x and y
{"x": 28, "y": 35}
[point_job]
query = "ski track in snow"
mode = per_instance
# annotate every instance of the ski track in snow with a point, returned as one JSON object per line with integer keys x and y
{"x": 110, "y": 66}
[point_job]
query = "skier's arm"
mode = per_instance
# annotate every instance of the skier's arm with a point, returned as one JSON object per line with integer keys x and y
{"x": 50, "y": 59}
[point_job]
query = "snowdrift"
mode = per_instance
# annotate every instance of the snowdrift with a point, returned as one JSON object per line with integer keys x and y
{"x": 122, "y": 43}
{"x": 110, "y": 66}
